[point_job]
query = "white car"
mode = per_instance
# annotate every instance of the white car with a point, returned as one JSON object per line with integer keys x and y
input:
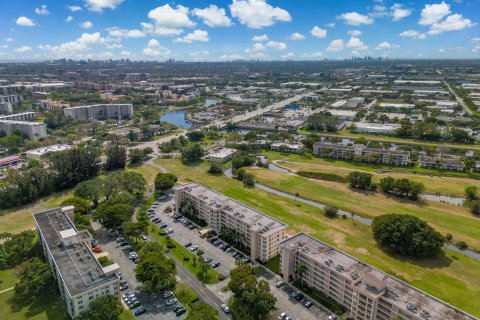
{"x": 169, "y": 231}
{"x": 194, "y": 248}
{"x": 225, "y": 308}
{"x": 144, "y": 237}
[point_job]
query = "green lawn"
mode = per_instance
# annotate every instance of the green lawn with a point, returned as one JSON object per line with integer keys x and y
{"x": 185, "y": 295}
{"x": 451, "y": 277}
{"x": 48, "y": 307}
{"x": 127, "y": 315}
{"x": 273, "y": 264}
{"x": 8, "y": 278}
{"x": 179, "y": 252}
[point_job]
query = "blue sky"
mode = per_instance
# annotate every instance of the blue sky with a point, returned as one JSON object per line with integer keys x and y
{"x": 199, "y": 30}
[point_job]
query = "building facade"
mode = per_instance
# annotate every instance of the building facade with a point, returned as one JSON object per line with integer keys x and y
{"x": 441, "y": 163}
{"x": 365, "y": 291}
{"x": 259, "y": 232}
{"x": 80, "y": 277}
{"x": 32, "y": 130}
{"x": 100, "y": 112}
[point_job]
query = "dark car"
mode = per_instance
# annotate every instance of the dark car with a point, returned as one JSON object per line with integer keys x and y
{"x": 308, "y": 304}
{"x": 163, "y": 226}
{"x": 177, "y": 307}
{"x": 179, "y": 312}
{"x": 191, "y": 227}
{"x": 140, "y": 311}
{"x": 294, "y": 294}
{"x": 155, "y": 220}
{"x": 299, "y": 297}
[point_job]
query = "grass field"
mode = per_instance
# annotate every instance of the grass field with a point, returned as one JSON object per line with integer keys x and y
{"x": 451, "y": 277}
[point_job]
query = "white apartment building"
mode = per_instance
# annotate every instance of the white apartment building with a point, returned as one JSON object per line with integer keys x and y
{"x": 261, "y": 233}
{"x": 100, "y": 112}
{"x": 80, "y": 277}
{"x": 23, "y": 116}
{"x": 365, "y": 291}
{"x": 32, "y": 130}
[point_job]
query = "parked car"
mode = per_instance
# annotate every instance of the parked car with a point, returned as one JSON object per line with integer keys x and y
{"x": 140, "y": 311}
{"x": 194, "y": 248}
{"x": 144, "y": 237}
{"x": 162, "y": 197}
{"x": 299, "y": 297}
{"x": 120, "y": 240}
{"x": 225, "y": 308}
{"x": 163, "y": 225}
{"x": 308, "y": 304}
{"x": 167, "y": 294}
{"x": 215, "y": 264}
{"x": 279, "y": 284}
{"x": 294, "y": 294}
{"x": 179, "y": 312}
{"x": 188, "y": 244}
{"x": 123, "y": 282}
{"x": 97, "y": 249}
{"x": 177, "y": 307}
{"x": 134, "y": 304}
{"x": 169, "y": 231}
{"x": 156, "y": 203}
{"x": 151, "y": 210}
{"x": 155, "y": 220}
{"x": 191, "y": 227}
{"x": 120, "y": 275}
{"x": 331, "y": 317}
{"x": 171, "y": 301}
{"x": 124, "y": 287}
{"x": 282, "y": 315}
{"x": 167, "y": 210}
{"x": 208, "y": 259}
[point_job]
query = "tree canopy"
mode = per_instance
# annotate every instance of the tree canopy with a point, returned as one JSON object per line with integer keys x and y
{"x": 155, "y": 270}
{"x": 35, "y": 277}
{"x": 191, "y": 153}
{"x": 165, "y": 181}
{"x": 103, "y": 308}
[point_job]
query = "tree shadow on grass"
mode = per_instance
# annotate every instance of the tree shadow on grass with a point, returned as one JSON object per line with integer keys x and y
{"x": 48, "y": 302}
{"x": 441, "y": 260}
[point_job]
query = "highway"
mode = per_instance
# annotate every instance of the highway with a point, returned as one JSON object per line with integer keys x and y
{"x": 459, "y": 99}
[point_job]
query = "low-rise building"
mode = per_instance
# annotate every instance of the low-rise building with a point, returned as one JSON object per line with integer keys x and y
{"x": 221, "y": 155}
{"x": 100, "y": 112}
{"x": 40, "y": 153}
{"x": 287, "y": 147}
{"x": 370, "y": 127}
{"x": 344, "y": 114}
{"x": 367, "y": 293}
{"x": 9, "y": 161}
{"x": 397, "y": 105}
{"x": 32, "y": 130}
{"x": 441, "y": 163}
{"x": 80, "y": 277}
{"x": 259, "y": 232}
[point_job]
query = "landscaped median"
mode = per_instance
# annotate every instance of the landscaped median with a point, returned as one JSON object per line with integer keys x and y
{"x": 185, "y": 257}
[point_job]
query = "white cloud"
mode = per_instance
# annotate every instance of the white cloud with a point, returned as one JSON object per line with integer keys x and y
{"x": 42, "y": 10}
{"x": 330, "y": 25}
{"x": 22, "y": 49}
{"x": 398, "y": 13}
{"x": 432, "y": 13}
{"x": 74, "y": 8}
{"x": 117, "y": 32}
{"x": 453, "y": 22}
{"x": 312, "y": 56}
{"x": 25, "y": 22}
{"x": 257, "y": 14}
{"x": 289, "y": 55}
{"x": 387, "y": 45}
{"x": 3, "y": 46}
{"x": 356, "y": 43}
{"x": 168, "y": 20}
{"x": 379, "y": 10}
{"x": 154, "y": 49}
{"x": 69, "y": 19}
{"x": 86, "y": 24}
{"x": 441, "y": 50}
{"x": 412, "y": 34}
{"x": 354, "y": 33}
{"x": 125, "y": 53}
{"x": 114, "y": 46}
{"x": 230, "y": 57}
{"x": 257, "y": 47}
{"x": 99, "y": 5}
{"x": 336, "y": 45}
{"x": 296, "y": 36}
{"x": 196, "y": 35}
{"x": 213, "y": 16}
{"x": 355, "y": 18}
{"x": 279, "y": 46}
{"x": 8, "y": 39}
{"x": 70, "y": 48}
{"x": 263, "y": 37}
{"x": 318, "y": 32}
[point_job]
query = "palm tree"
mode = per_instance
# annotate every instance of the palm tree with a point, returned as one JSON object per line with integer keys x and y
{"x": 300, "y": 271}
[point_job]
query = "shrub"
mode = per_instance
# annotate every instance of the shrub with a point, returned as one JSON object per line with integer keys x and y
{"x": 162, "y": 232}
{"x": 331, "y": 212}
{"x": 322, "y": 176}
{"x": 462, "y": 245}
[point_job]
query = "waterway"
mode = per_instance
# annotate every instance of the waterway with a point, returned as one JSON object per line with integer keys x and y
{"x": 178, "y": 117}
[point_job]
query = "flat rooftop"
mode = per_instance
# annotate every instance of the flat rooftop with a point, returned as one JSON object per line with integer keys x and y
{"x": 222, "y": 153}
{"x": 360, "y": 275}
{"x": 255, "y": 219}
{"x": 77, "y": 265}
{"x": 52, "y": 148}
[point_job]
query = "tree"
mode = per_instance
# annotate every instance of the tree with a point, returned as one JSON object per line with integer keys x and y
{"x": 116, "y": 157}
{"x": 83, "y": 223}
{"x": 81, "y": 205}
{"x": 132, "y": 182}
{"x": 406, "y": 235}
{"x": 475, "y": 207}
{"x": 35, "y": 277}
{"x": 165, "y": 181}
{"x": 215, "y": 168}
{"x": 156, "y": 271}
{"x": 195, "y": 135}
{"x": 15, "y": 248}
{"x": 192, "y": 153}
{"x": 387, "y": 184}
{"x": 103, "y": 308}
{"x": 202, "y": 311}
{"x": 331, "y": 212}
{"x": 248, "y": 180}
{"x": 300, "y": 270}
{"x": 112, "y": 216}
{"x": 136, "y": 155}
{"x": 204, "y": 268}
{"x": 321, "y": 121}
{"x": 360, "y": 180}
{"x": 471, "y": 192}
{"x": 90, "y": 189}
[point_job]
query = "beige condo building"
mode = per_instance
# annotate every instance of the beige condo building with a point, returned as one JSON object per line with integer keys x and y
{"x": 368, "y": 293}
{"x": 260, "y": 233}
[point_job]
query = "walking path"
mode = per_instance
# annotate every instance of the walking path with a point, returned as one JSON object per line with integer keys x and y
{"x": 11, "y": 288}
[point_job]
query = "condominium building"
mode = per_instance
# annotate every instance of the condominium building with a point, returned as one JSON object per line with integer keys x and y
{"x": 23, "y": 116}
{"x": 441, "y": 163}
{"x": 32, "y": 130}
{"x": 80, "y": 277}
{"x": 100, "y": 112}
{"x": 287, "y": 147}
{"x": 8, "y": 101}
{"x": 348, "y": 152}
{"x": 365, "y": 291}
{"x": 259, "y": 232}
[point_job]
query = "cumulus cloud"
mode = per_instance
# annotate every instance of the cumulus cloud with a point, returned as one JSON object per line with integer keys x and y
{"x": 263, "y": 37}
{"x": 354, "y": 33}
{"x": 336, "y": 45}
{"x": 154, "y": 49}
{"x": 279, "y": 46}
{"x": 257, "y": 14}
{"x": 99, "y": 5}
{"x": 355, "y": 19}
{"x": 83, "y": 43}
{"x": 42, "y": 10}
{"x": 117, "y": 32}
{"x": 168, "y": 20}
{"x": 69, "y": 19}
{"x": 257, "y": 47}
{"x": 8, "y": 39}
{"x": 330, "y": 25}
{"x": 74, "y": 8}
{"x": 86, "y": 24}
{"x": 433, "y": 13}
{"x": 289, "y": 55}
{"x": 312, "y": 56}
{"x": 213, "y": 16}
{"x": 451, "y": 23}
{"x": 25, "y": 22}
{"x": 196, "y": 35}
{"x": 230, "y": 57}
{"x": 125, "y": 53}
{"x": 387, "y": 45}
{"x": 318, "y": 32}
{"x": 356, "y": 43}
{"x": 412, "y": 34}
{"x": 296, "y": 36}
{"x": 22, "y": 49}
{"x": 398, "y": 13}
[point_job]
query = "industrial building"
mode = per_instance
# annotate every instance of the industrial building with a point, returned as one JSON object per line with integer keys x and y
{"x": 40, "y": 153}
{"x": 260, "y": 233}
{"x": 100, "y": 112}
{"x": 80, "y": 277}
{"x": 365, "y": 291}
{"x": 221, "y": 155}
